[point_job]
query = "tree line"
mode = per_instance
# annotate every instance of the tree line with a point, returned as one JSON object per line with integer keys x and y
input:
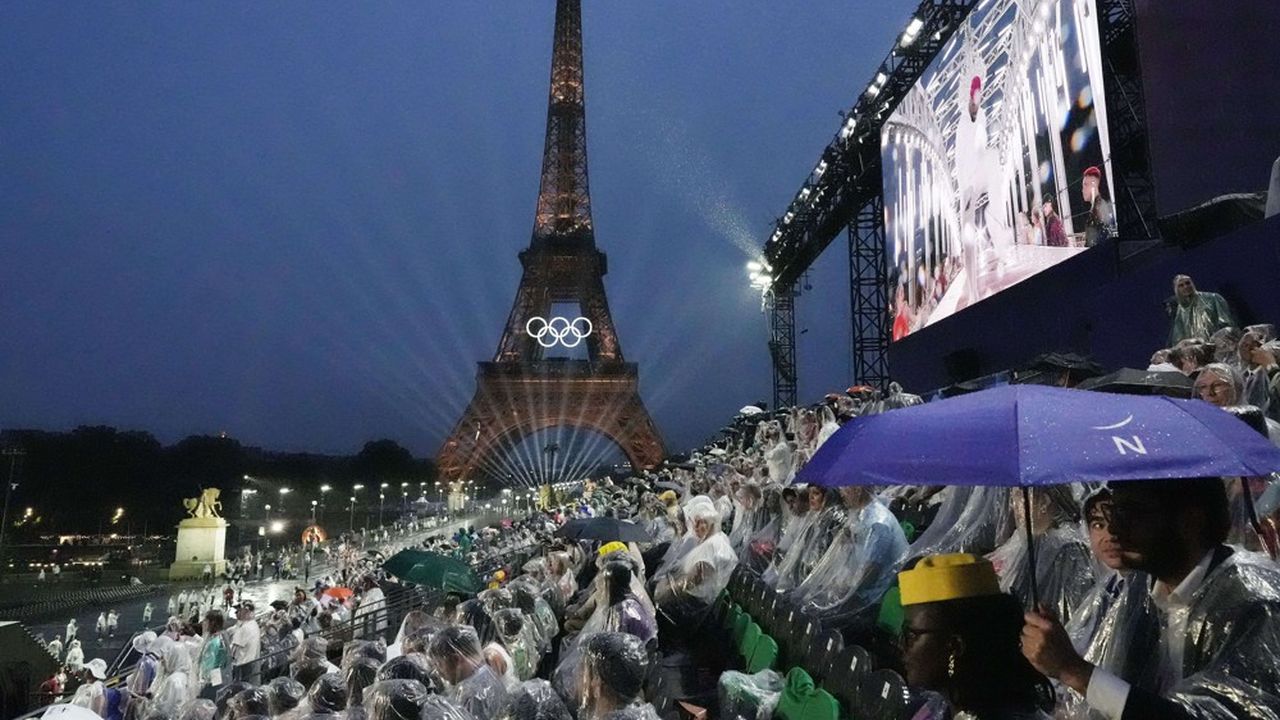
{"x": 75, "y": 481}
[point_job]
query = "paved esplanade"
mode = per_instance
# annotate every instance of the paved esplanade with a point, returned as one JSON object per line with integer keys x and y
{"x": 261, "y": 592}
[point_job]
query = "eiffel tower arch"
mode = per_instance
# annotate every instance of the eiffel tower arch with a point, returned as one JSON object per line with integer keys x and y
{"x": 523, "y": 390}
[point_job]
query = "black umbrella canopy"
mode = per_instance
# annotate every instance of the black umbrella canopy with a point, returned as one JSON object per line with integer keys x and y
{"x": 1131, "y": 381}
{"x": 604, "y": 530}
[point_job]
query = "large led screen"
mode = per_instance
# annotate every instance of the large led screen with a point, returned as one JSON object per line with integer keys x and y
{"x": 996, "y": 161}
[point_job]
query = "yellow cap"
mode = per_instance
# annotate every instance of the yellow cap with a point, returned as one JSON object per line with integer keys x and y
{"x": 668, "y": 496}
{"x": 614, "y": 546}
{"x": 948, "y": 577}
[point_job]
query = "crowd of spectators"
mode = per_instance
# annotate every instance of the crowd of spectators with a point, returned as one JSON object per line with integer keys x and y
{"x": 1156, "y": 599}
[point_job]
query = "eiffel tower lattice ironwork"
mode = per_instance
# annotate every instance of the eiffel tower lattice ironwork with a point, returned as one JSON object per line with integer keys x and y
{"x": 522, "y": 391}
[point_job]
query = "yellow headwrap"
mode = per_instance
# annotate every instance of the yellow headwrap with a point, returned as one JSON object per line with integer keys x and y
{"x": 614, "y": 546}
{"x": 668, "y": 496}
{"x": 948, "y": 577}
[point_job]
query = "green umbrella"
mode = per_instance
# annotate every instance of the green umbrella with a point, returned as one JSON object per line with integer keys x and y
{"x": 434, "y": 570}
{"x": 403, "y": 561}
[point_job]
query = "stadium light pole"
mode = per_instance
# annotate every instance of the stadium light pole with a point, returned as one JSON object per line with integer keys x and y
{"x": 13, "y": 455}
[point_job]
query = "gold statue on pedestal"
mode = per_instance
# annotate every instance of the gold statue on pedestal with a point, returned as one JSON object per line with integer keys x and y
{"x": 206, "y": 506}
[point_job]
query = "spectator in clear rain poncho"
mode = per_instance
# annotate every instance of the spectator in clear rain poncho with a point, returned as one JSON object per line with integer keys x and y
{"x": 413, "y": 621}
{"x": 75, "y": 656}
{"x": 747, "y": 510}
{"x": 687, "y": 540}
{"x": 143, "y": 676}
{"x": 1197, "y": 314}
{"x": 473, "y": 685}
{"x": 1222, "y": 385}
{"x": 516, "y": 635}
{"x": 860, "y": 564}
{"x": 327, "y": 696}
{"x": 283, "y": 695}
{"x": 560, "y": 575}
{"x": 1115, "y": 627}
{"x": 1219, "y": 610}
{"x": 763, "y": 539}
{"x": 828, "y": 426}
{"x": 829, "y": 515}
{"x": 613, "y": 670}
{"x": 1257, "y": 368}
{"x": 540, "y": 618}
{"x": 358, "y": 675}
{"x": 175, "y": 687}
{"x": 623, "y": 610}
{"x": 685, "y": 594}
{"x": 408, "y": 700}
{"x": 969, "y": 520}
{"x": 778, "y": 454}
{"x": 537, "y": 700}
{"x": 1064, "y": 566}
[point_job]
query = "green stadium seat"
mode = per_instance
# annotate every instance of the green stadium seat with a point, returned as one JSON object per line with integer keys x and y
{"x": 802, "y": 700}
{"x": 891, "y": 614}
{"x": 764, "y": 656}
{"x": 749, "y": 640}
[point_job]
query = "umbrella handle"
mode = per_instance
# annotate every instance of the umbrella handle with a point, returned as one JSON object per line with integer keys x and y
{"x": 1031, "y": 547}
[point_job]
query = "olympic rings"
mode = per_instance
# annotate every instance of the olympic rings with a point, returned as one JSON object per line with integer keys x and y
{"x": 561, "y": 331}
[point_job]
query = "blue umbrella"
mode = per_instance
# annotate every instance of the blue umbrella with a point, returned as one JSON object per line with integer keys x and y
{"x": 1029, "y": 435}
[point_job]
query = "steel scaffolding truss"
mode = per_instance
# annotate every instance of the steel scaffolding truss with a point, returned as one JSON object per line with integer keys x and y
{"x": 868, "y": 296}
{"x": 1135, "y": 194}
{"x": 781, "y": 305}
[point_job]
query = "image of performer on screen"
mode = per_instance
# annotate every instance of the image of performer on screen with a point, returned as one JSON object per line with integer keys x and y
{"x": 1101, "y": 221}
{"x": 1054, "y": 234}
{"x": 971, "y": 180}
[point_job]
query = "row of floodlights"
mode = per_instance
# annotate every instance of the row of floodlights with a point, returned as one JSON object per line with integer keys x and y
{"x": 807, "y": 193}
{"x": 760, "y": 273}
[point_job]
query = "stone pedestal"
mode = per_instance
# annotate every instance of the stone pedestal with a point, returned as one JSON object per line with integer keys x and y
{"x": 200, "y": 541}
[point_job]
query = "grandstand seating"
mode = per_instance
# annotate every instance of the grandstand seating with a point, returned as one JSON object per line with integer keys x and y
{"x": 825, "y": 679}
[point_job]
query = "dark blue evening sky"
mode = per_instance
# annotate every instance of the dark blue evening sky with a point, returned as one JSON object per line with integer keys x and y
{"x": 298, "y": 222}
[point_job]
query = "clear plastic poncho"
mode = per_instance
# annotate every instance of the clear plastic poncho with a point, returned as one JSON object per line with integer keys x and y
{"x": 284, "y": 694}
{"x": 613, "y": 671}
{"x": 860, "y": 565}
{"x": 436, "y": 707}
{"x": 536, "y": 700}
{"x": 396, "y": 700}
{"x": 200, "y": 709}
{"x": 1231, "y": 661}
{"x": 705, "y": 569}
{"x": 481, "y": 692}
{"x": 173, "y": 689}
{"x": 1117, "y": 628}
{"x": 1064, "y": 569}
{"x": 327, "y": 696}
{"x": 681, "y": 547}
{"x": 808, "y": 549}
{"x": 518, "y": 638}
{"x": 970, "y": 520}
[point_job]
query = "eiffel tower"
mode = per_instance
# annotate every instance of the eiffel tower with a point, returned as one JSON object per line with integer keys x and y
{"x": 522, "y": 391}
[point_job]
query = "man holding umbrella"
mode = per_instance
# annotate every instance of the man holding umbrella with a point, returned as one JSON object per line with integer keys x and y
{"x": 1220, "y": 609}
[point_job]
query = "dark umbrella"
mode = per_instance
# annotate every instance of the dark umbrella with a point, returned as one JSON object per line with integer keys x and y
{"x": 1142, "y": 382}
{"x": 438, "y": 571}
{"x": 403, "y": 561}
{"x": 604, "y": 529}
{"x": 1033, "y": 435}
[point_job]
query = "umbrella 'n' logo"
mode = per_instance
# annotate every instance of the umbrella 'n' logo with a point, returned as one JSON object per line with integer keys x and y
{"x": 1121, "y": 443}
